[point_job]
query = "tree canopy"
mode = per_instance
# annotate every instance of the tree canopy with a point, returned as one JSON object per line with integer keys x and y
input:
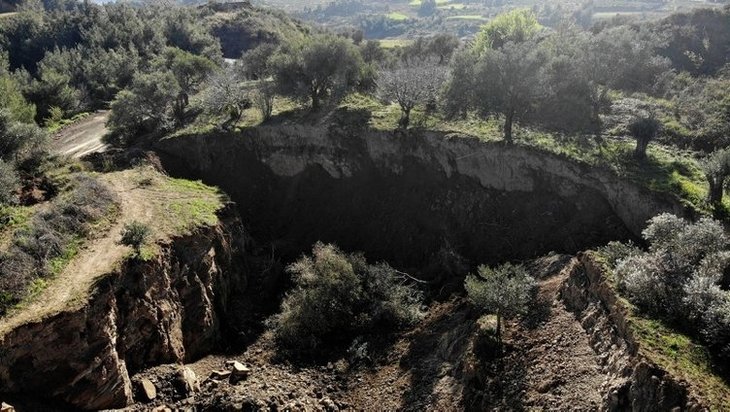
{"x": 317, "y": 68}
{"x": 515, "y": 26}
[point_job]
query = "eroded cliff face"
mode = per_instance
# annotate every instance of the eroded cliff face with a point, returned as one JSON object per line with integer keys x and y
{"x": 166, "y": 310}
{"x": 408, "y": 197}
{"x": 636, "y": 383}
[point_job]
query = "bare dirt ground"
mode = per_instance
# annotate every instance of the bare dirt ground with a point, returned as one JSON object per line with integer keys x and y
{"x": 548, "y": 364}
{"x": 97, "y": 258}
{"x": 82, "y": 138}
{"x": 146, "y": 203}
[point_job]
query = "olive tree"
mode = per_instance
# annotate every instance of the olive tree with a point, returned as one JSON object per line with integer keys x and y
{"x": 457, "y": 94}
{"x": 681, "y": 270}
{"x": 410, "y": 84}
{"x": 314, "y": 69}
{"x": 508, "y": 82}
{"x": 516, "y": 26}
{"x": 227, "y": 94}
{"x": 504, "y": 291}
{"x": 644, "y": 130}
{"x": 189, "y": 70}
{"x": 337, "y": 296}
{"x": 18, "y": 140}
{"x": 146, "y": 105}
{"x": 716, "y": 167}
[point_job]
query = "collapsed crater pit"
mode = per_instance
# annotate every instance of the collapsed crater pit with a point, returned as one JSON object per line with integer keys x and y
{"x": 418, "y": 200}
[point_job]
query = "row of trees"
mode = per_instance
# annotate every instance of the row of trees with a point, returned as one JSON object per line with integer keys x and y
{"x": 76, "y": 56}
{"x": 22, "y": 142}
{"x": 514, "y": 70}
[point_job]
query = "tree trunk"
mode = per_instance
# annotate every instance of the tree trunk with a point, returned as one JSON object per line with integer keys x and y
{"x": 640, "y": 152}
{"x": 596, "y": 121}
{"x": 508, "y": 121}
{"x": 717, "y": 184}
{"x": 181, "y": 102}
{"x": 499, "y": 333}
{"x": 315, "y": 100}
{"x": 405, "y": 119}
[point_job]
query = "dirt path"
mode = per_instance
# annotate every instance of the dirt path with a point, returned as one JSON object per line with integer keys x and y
{"x": 96, "y": 258}
{"x": 551, "y": 365}
{"x": 82, "y": 138}
{"x": 149, "y": 204}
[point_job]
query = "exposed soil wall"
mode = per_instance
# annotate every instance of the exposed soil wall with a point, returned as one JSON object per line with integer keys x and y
{"x": 636, "y": 383}
{"x": 413, "y": 198}
{"x": 169, "y": 309}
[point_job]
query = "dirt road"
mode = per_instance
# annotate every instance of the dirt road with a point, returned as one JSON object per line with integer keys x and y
{"x": 82, "y": 138}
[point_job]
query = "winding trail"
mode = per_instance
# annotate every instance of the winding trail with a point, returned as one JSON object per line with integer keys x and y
{"x": 97, "y": 258}
{"x": 82, "y": 138}
{"x": 150, "y": 204}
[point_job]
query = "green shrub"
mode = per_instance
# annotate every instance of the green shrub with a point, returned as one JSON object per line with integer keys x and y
{"x": 9, "y": 183}
{"x": 337, "y": 296}
{"x": 135, "y": 234}
{"x": 678, "y": 280}
{"x": 42, "y": 248}
{"x": 504, "y": 291}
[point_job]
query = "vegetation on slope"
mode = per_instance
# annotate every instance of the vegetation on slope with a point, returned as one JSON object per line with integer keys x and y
{"x": 43, "y": 246}
{"x": 677, "y": 304}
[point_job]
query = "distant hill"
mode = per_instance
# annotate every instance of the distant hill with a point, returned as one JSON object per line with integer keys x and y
{"x": 240, "y": 26}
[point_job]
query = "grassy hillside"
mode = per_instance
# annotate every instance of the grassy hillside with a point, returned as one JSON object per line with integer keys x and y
{"x": 91, "y": 248}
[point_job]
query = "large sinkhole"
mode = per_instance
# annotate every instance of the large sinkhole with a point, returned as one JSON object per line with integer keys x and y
{"x": 419, "y": 200}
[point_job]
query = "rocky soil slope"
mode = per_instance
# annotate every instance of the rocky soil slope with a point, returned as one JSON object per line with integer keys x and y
{"x": 570, "y": 353}
{"x": 117, "y": 315}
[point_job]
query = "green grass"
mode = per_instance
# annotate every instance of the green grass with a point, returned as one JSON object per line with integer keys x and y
{"x": 13, "y": 216}
{"x": 682, "y": 358}
{"x": 53, "y": 127}
{"x": 397, "y": 16}
{"x": 467, "y": 17}
{"x": 417, "y": 3}
{"x": 70, "y": 251}
{"x": 198, "y": 206}
{"x": 394, "y": 43}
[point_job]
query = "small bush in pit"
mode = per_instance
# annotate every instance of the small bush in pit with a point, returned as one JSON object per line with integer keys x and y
{"x": 337, "y": 296}
{"x": 504, "y": 291}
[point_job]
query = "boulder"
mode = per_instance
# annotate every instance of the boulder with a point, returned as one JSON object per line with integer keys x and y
{"x": 220, "y": 375}
{"x": 186, "y": 382}
{"x": 147, "y": 390}
{"x": 240, "y": 370}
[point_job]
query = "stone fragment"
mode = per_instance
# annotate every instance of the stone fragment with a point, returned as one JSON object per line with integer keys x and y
{"x": 5, "y": 407}
{"x": 239, "y": 372}
{"x": 220, "y": 375}
{"x": 186, "y": 382}
{"x": 148, "y": 390}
